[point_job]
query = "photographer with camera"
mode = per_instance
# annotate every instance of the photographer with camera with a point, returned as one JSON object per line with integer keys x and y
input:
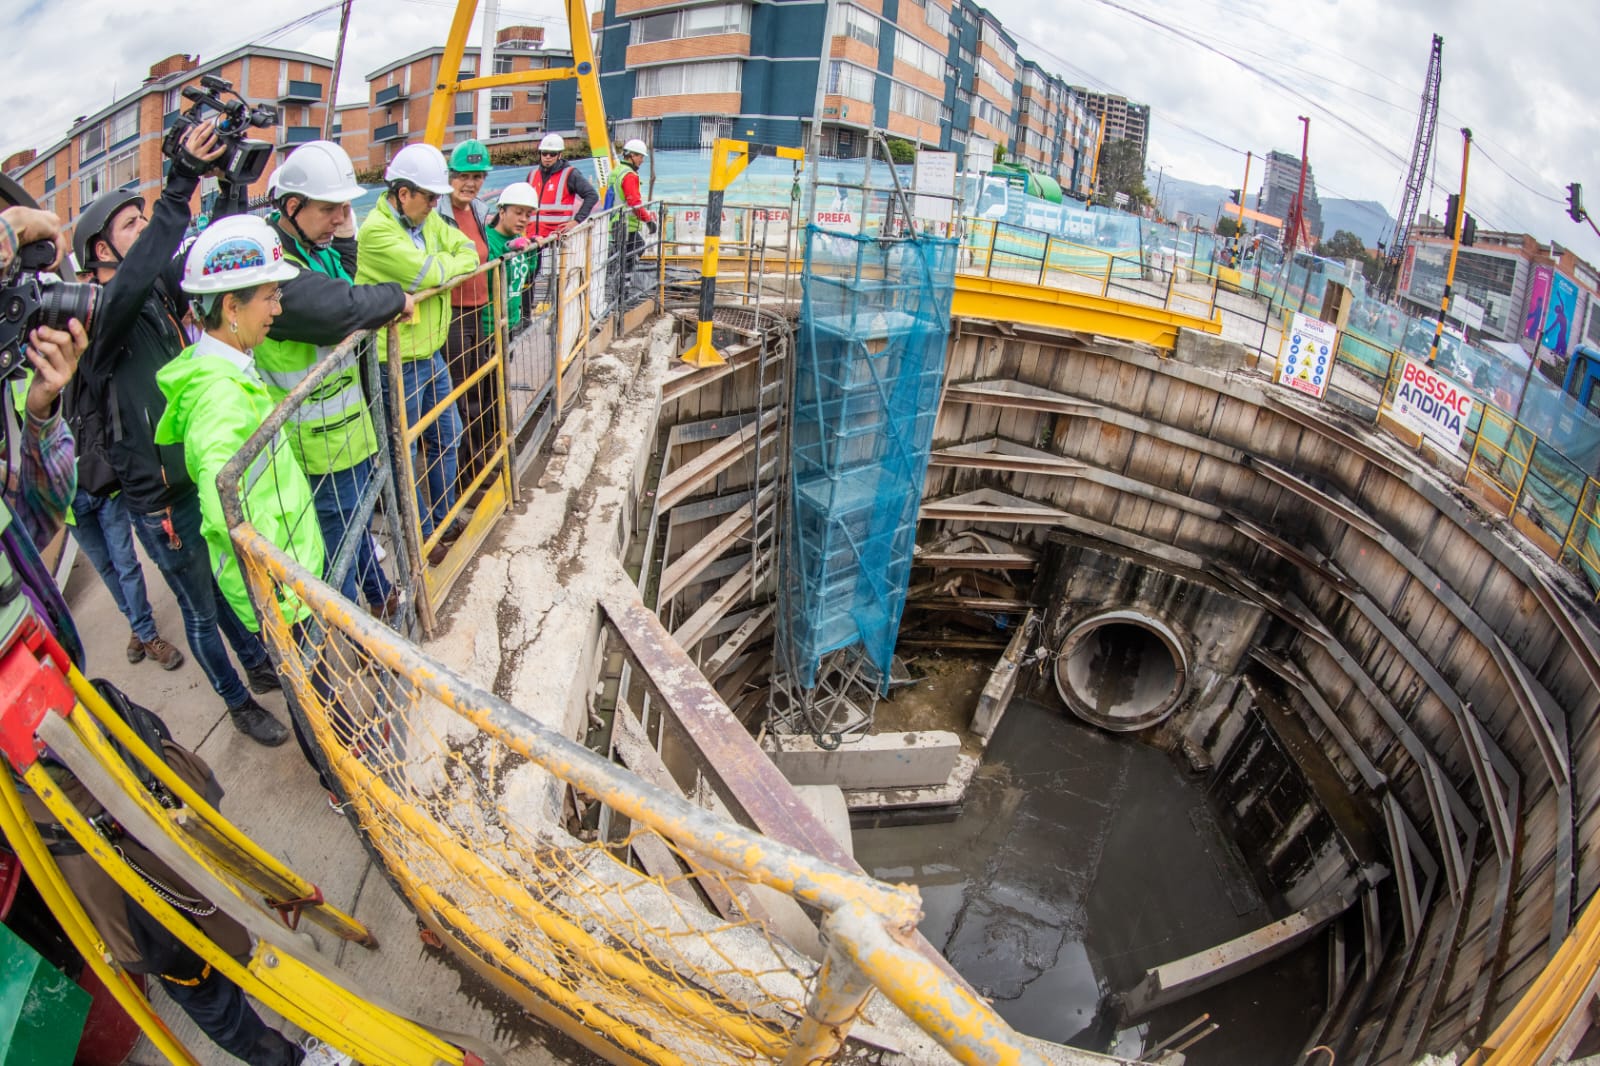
{"x": 37, "y": 454}
{"x": 332, "y": 432}
{"x": 138, "y": 331}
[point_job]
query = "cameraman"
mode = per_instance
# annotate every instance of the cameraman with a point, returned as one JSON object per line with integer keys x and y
{"x": 137, "y": 332}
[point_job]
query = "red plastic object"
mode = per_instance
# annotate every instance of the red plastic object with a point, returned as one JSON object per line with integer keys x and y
{"x": 109, "y": 1034}
{"x": 33, "y": 683}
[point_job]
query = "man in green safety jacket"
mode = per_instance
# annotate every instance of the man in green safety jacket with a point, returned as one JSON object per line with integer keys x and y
{"x": 405, "y": 240}
{"x": 332, "y": 432}
{"x": 622, "y": 190}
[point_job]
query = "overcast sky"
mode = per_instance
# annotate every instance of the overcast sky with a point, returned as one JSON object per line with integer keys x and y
{"x": 1523, "y": 76}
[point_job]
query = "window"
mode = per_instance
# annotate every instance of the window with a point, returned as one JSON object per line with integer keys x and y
{"x": 687, "y": 78}
{"x": 991, "y": 74}
{"x": 533, "y": 96}
{"x": 93, "y": 141}
{"x": 91, "y": 183}
{"x": 849, "y": 80}
{"x": 500, "y": 102}
{"x": 854, "y": 22}
{"x": 938, "y": 19}
{"x": 1035, "y": 81}
{"x": 504, "y": 64}
{"x": 123, "y": 169}
{"x": 125, "y": 124}
{"x": 499, "y": 131}
{"x": 993, "y": 114}
{"x": 905, "y": 100}
{"x": 469, "y": 67}
{"x": 50, "y": 169}
{"x": 990, "y": 34}
{"x": 912, "y": 51}
{"x": 714, "y": 129}
{"x": 691, "y": 22}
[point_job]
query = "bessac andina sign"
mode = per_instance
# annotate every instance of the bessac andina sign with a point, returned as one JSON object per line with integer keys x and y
{"x": 1432, "y": 404}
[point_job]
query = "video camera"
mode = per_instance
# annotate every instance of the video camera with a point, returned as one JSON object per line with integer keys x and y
{"x": 26, "y": 301}
{"x": 243, "y": 160}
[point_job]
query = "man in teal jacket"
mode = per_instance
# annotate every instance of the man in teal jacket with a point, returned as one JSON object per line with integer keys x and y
{"x": 405, "y": 240}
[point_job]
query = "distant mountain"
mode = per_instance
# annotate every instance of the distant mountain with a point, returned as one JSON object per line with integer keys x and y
{"x": 1367, "y": 219}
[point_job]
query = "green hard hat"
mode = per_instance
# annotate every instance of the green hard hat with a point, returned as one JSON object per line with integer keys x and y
{"x": 469, "y": 157}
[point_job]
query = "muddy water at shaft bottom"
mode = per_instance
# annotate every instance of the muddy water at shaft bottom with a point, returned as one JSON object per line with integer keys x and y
{"x": 1080, "y": 860}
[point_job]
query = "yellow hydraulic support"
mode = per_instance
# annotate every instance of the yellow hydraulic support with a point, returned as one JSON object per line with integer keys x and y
{"x": 49, "y": 705}
{"x": 584, "y": 68}
{"x": 1029, "y": 304}
{"x": 728, "y": 160}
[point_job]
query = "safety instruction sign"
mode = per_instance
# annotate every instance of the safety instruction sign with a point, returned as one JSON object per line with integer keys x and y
{"x": 1306, "y": 357}
{"x": 1432, "y": 404}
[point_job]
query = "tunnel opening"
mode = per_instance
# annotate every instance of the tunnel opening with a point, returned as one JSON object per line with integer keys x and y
{"x": 1122, "y": 671}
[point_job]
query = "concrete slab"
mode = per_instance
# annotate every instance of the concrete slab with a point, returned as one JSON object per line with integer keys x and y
{"x": 879, "y": 761}
{"x": 942, "y": 795}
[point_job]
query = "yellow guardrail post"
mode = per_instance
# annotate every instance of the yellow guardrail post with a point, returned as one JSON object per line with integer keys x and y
{"x": 841, "y": 991}
{"x": 994, "y": 235}
{"x": 728, "y": 160}
{"x": 1105, "y": 290}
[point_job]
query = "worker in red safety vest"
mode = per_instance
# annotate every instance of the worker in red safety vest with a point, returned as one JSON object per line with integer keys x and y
{"x": 565, "y": 196}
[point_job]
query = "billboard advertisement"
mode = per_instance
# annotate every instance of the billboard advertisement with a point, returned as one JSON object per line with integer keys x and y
{"x": 1538, "y": 301}
{"x": 1563, "y": 313}
{"x": 1432, "y": 404}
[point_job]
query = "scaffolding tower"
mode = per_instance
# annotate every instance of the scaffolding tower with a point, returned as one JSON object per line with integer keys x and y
{"x": 869, "y": 367}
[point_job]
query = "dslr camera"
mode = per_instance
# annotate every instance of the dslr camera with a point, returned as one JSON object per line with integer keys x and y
{"x": 27, "y": 300}
{"x": 243, "y": 160}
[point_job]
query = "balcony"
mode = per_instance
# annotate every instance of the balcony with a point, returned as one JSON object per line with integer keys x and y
{"x": 391, "y": 132}
{"x": 289, "y": 136}
{"x": 390, "y": 95}
{"x": 301, "y": 92}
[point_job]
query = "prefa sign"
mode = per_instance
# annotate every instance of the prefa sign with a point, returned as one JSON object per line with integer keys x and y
{"x": 1432, "y": 404}
{"x": 690, "y": 224}
{"x": 838, "y": 219}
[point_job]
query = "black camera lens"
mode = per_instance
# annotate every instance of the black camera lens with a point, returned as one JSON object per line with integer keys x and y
{"x": 59, "y": 304}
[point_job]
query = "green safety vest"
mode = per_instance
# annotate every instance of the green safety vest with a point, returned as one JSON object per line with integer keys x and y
{"x": 614, "y": 185}
{"x": 333, "y": 428}
{"x": 517, "y": 269}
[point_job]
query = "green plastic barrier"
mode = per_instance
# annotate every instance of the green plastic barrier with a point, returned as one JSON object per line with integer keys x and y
{"x": 42, "y": 1011}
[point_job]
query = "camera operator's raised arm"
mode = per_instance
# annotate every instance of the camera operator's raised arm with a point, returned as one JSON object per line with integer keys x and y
{"x": 24, "y": 225}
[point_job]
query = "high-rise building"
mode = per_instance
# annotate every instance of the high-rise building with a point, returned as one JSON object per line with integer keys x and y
{"x": 1278, "y": 187}
{"x": 1123, "y": 119}
{"x": 400, "y": 94}
{"x": 119, "y": 146}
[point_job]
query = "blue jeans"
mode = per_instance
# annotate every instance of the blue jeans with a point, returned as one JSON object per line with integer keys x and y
{"x": 219, "y": 1008}
{"x": 427, "y": 383}
{"x": 106, "y": 537}
{"x": 185, "y": 562}
{"x": 337, "y": 494}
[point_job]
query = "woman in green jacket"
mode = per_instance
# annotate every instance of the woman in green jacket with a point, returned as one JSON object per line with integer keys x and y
{"x": 216, "y": 399}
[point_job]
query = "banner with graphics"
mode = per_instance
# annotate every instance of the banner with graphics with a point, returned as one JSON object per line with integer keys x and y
{"x": 1432, "y": 404}
{"x": 1538, "y": 302}
{"x": 1558, "y": 321}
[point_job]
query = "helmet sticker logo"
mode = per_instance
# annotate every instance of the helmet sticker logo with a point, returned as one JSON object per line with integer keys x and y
{"x": 239, "y": 253}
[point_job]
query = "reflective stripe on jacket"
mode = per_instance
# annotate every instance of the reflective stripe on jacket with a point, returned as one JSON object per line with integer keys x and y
{"x": 332, "y": 429}
{"x": 558, "y": 200}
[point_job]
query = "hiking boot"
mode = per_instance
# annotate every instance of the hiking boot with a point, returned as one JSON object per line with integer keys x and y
{"x": 254, "y": 721}
{"x": 388, "y": 612}
{"x": 169, "y": 657}
{"x": 437, "y": 553}
{"x": 263, "y": 678}
{"x": 135, "y": 649}
{"x": 453, "y": 533}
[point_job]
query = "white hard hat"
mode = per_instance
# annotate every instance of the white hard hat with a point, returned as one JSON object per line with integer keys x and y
{"x": 423, "y": 166}
{"x": 317, "y": 170}
{"x": 552, "y": 142}
{"x": 519, "y": 194}
{"x": 633, "y": 146}
{"x": 235, "y": 253}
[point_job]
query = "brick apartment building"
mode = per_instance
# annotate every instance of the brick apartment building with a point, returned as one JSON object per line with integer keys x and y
{"x": 120, "y": 145}
{"x": 941, "y": 74}
{"x": 400, "y": 93}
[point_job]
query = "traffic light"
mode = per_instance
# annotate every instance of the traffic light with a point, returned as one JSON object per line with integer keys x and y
{"x": 1469, "y": 230}
{"x": 1235, "y": 195}
{"x": 1575, "y": 202}
{"x": 1452, "y": 208}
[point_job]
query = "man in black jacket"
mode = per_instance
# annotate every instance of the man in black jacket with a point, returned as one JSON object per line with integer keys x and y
{"x": 138, "y": 330}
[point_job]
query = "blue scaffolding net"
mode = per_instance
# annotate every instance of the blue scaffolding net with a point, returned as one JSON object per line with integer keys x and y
{"x": 874, "y": 324}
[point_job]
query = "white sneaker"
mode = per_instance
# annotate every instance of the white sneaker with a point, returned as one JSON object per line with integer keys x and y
{"x": 320, "y": 1054}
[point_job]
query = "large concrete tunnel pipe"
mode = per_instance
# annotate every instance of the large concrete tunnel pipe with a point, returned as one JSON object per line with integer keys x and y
{"x": 1122, "y": 670}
